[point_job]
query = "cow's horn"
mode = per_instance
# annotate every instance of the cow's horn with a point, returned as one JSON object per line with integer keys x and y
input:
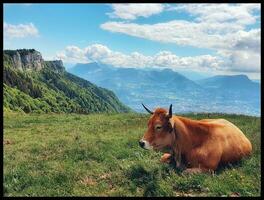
{"x": 147, "y": 109}
{"x": 170, "y": 111}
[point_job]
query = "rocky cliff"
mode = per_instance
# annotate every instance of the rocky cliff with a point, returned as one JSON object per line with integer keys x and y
{"x": 25, "y": 59}
{"x": 30, "y": 59}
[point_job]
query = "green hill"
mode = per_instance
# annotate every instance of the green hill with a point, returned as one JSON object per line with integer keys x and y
{"x": 34, "y": 85}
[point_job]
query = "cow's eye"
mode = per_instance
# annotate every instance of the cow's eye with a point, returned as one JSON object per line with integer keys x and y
{"x": 158, "y": 127}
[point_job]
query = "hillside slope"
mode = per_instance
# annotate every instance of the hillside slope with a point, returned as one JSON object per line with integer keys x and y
{"x": 34, "y": 85}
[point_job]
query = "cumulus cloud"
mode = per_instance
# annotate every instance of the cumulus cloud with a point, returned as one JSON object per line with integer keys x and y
{"x": 163, "y": 59}
{"x": 247, "y": 41}
{"x": 72, "y": 54}
{"x": 20, "y": 30}
{"x": 243, "y": 52}
{"x": 180, "y": 32}
{"x": 231, "y": 13}
{"x": 97, "y": 52}
{"x": 223, "y": 62}
{"x": 167, "y": 59}
{"x": 219, "y": 27}
{"x": 132, "y": 11}
{"x": 244, "y": 61}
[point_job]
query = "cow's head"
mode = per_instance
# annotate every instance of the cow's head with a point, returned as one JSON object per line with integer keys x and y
{"x": 159, "y": 134}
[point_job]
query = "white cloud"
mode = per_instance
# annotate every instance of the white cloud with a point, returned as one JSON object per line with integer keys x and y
{"x": 237, "y": 16}
{"x": 219, "y": 27}
{"x": 201, "y": 35}
{"x": 72, "y": 54}
{"x": 243, "y": 52}
{"x": 179, "y": 32}
{"x": 247, "y": 41}
{"x": 226, "y": 62}
{"x": 245, "y": 61}
{"x": 233, "y": 13}
{"x": 163, "y": 59}
{"x": 20, "y": 30}
{"x": 131, "y": 11}
{"x": 97, "y": 52}
{"x": 167, "y": 59}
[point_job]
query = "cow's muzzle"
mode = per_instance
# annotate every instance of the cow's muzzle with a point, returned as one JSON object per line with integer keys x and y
{"x": 145, "y": 144}
{"x": 141, "y": 143}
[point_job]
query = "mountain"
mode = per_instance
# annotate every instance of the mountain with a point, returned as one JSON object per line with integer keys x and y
{"x": 34, "y": 85}
{"x": 193, "y": 75}
{"x": 105, "y": 75}
{"x": 234, "y": 82}
{"x": 156, "y": 87}
{"x": 134, "y": 86}
{"x": 234, "y": 87}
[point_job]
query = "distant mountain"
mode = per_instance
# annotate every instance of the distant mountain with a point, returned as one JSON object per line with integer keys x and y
{"x": 34, "y": 85}
{"x": 103, "y": 74}
{"x": 193, "y": 75}
{"x": 230, "y": 94}
{"x": 235, "y": 82}
{"x": 134, "y": 86}
{"x": 232, "y": 87}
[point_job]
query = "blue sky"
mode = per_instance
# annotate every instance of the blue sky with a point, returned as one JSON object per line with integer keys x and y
{"x": 220, "y": 39}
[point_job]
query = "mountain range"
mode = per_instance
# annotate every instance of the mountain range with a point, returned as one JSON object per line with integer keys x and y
{"x": 34, "y": 85}
{"x": 162, "y": 87}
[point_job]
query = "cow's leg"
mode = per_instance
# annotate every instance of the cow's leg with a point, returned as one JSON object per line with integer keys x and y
{"x": 178, "y": 160}
{"x": 166, "y": 158}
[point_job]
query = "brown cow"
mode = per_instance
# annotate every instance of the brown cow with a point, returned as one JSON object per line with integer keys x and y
{"x": 197, "y": 145}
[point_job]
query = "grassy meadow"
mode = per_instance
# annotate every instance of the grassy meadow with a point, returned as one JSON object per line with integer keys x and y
{"x": 99, "y": 155}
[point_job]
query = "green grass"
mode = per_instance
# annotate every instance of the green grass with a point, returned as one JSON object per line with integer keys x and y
{"x": 99, "y": 155}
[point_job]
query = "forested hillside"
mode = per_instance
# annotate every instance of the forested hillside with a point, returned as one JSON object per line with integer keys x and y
{"x": 34, "y": 85}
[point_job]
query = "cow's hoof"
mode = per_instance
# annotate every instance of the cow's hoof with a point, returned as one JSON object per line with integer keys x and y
{"x": 166, "y": 158}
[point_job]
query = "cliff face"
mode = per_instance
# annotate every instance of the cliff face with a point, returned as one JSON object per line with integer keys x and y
{"x": 25, "y": 59}
{"x": 30, "y": 59}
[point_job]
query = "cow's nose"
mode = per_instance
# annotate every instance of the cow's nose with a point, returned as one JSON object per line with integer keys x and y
{"x": 141, "y": 143}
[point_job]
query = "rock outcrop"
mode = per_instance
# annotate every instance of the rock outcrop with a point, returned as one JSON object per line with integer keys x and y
{"x": 56, "y": 65}
{"x": 30, "y": 59}
{"x": 26, "y": 59}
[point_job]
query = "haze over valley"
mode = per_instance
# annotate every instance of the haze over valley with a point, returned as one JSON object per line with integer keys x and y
{"x": 160, "y": 88}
